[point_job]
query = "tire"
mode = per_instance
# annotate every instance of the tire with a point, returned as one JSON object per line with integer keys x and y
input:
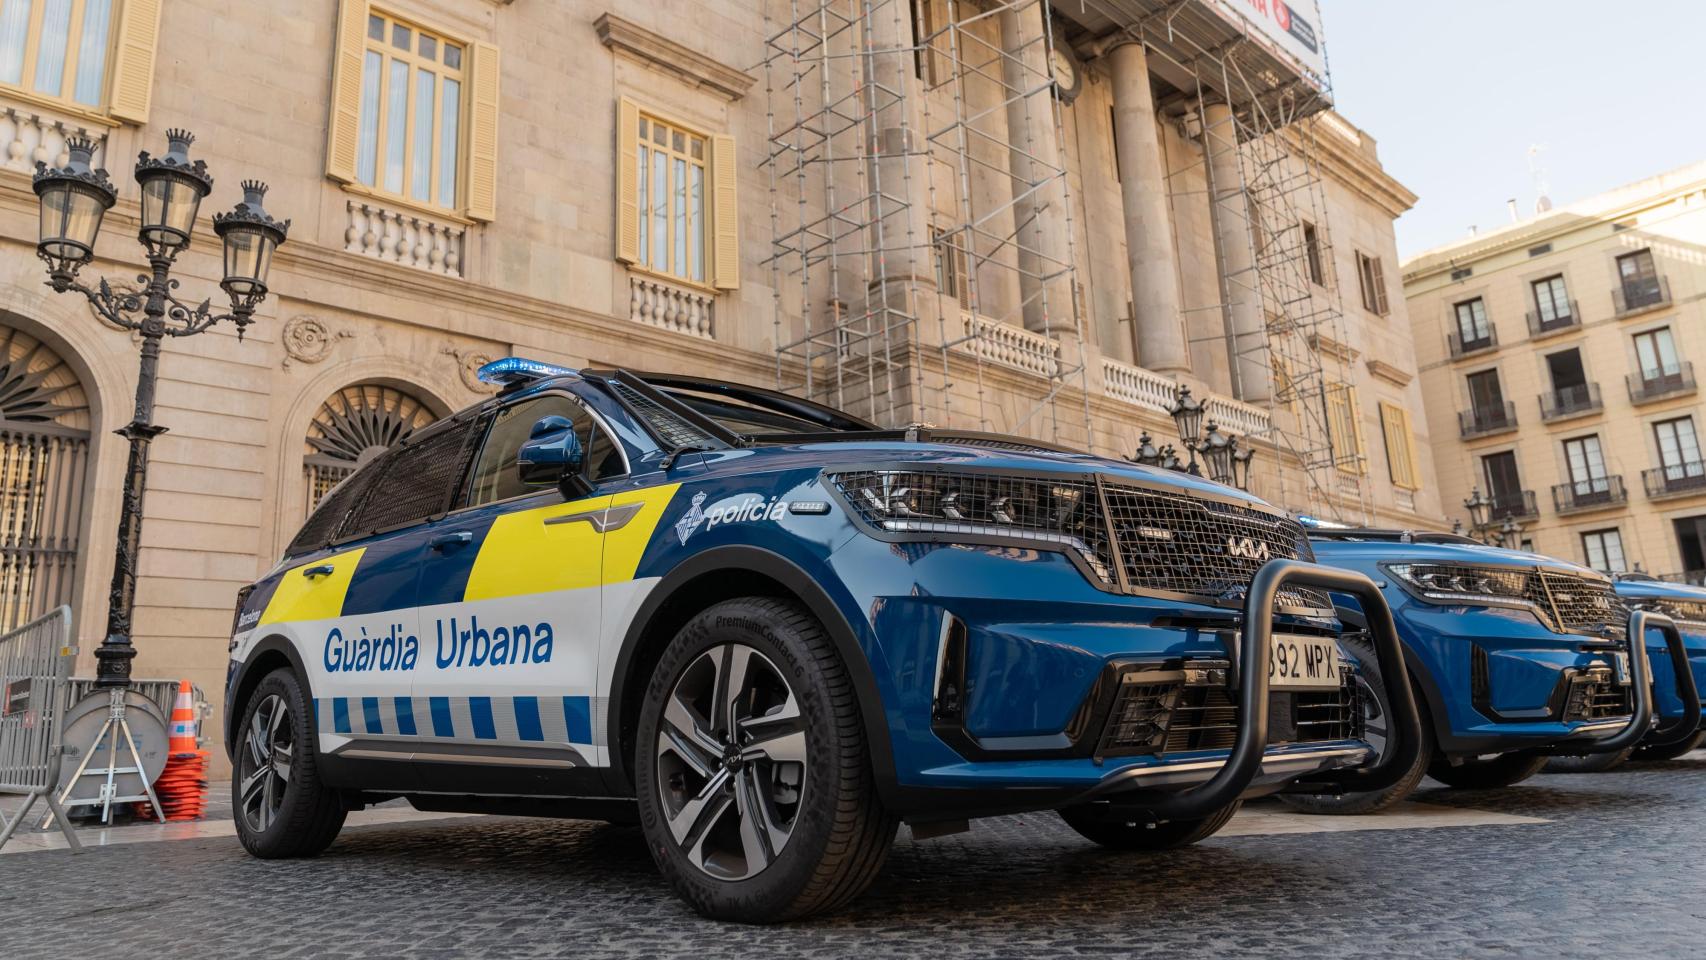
{"x": 1375, "y": 709}
{"x": 1590, "y": 763}
{"x": 1670, "y": 752}
{"x": 289, "y": 813}
{"x": 1504, "y": 770}
{"x": 788, "y": 826}
{"x": 1115, "y": 828}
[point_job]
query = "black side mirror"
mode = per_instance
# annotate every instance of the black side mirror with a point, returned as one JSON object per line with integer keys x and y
{"x": 553, "y": 454}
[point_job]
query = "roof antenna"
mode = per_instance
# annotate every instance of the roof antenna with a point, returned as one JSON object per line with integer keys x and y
{"x": 1542, "y": 189}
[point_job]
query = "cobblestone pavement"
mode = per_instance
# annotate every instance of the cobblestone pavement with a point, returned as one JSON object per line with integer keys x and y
{"x": 1616, "y": 871}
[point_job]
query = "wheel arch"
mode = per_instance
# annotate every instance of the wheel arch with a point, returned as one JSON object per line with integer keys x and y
{"x": 269, "y": 654}
{"x": 1430, "y": 700}
{"x": 697, "y": 584}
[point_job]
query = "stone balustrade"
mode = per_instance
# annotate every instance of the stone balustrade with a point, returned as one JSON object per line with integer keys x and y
{"x": 411, "y": 239}
{"x": 662, "y": 304}
{"x": 1137, "y": 386}
{"x": 28, "y": 135}
{"x": 1011, "y": 345}
{"x": 1235, "y": 416}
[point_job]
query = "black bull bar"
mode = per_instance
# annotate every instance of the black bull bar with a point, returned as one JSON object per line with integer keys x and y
{"x": 1255, "y": 649}
{"x": 1641, "y": 676}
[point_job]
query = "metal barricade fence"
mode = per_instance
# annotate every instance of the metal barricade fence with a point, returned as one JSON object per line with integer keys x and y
{"x": 35, "y": 667}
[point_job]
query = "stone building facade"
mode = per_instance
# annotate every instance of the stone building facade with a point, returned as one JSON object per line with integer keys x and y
{"x": 463, "y": 178}
{"x": 1557, "y": 362}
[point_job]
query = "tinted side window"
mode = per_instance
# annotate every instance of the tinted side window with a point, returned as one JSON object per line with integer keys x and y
{"x": 495, "y": 477}
{"x": 416, "y": 480}
{"x": 328, "y": 518}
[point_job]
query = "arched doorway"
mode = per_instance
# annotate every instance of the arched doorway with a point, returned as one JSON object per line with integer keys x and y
{"x": 44, "y": 463}
{"x": 352, "y": 427}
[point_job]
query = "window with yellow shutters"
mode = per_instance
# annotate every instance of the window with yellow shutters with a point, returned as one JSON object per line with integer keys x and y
{"x": 675, "y": 185}
{"x": 414, "y": 112}
{"x": 1344, "y": 427}
{"x": 92, "y": 56}
{"x": 1401, "y": 457}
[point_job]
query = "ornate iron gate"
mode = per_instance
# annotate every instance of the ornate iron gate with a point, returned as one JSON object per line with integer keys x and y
{"x": 44, "y": 463}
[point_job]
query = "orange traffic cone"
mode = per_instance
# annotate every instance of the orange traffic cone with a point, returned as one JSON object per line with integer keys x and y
{"x": 182, "y": 787}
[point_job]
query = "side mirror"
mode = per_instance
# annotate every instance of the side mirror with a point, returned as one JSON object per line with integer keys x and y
{"x": 552, "y": 453}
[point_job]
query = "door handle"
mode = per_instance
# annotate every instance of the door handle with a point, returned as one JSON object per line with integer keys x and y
{"x": 456, "y": 539}
{"x": 319, "y": 570}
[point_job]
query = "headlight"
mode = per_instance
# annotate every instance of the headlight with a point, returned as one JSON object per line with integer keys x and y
{"x": 1450, "y": 582}
{"x": 969, "y": 507}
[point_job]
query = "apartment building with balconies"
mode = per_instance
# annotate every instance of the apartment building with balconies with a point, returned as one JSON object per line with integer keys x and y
{"x": 1557, "y": 362}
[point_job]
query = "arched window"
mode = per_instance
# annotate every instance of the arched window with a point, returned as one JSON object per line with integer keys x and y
{"x": 352, "y": 427}
{"x": 44, "y": 461}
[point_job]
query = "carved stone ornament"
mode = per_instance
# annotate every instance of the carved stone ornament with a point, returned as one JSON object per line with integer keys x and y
{"x": 468, "y": 364}
{"x": 308, "y": 339}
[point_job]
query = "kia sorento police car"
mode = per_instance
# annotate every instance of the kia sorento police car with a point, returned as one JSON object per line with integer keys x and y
{"x": 770, "y": 631}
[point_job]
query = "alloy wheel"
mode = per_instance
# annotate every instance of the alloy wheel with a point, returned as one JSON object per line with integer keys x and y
{"x": 268, "y": 748}
{"x": 731, "y": 761}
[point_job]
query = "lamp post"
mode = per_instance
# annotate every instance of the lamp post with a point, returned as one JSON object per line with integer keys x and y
{"x": 1241, "y": 467}
{"x": 74, "y": 198}
{"x": 1187, "y": 414}
{"x": 1217, "y": 451}
{"x": 1509, "y": 532}
{"x": 1147, "y": 454}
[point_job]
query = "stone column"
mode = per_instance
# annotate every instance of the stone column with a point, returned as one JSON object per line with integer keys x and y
{"x": 1038, "y": 176}
{"x": 1161, "y": 344}
{"x": 897, "y": 195}
{"x": 1246, "y": 329}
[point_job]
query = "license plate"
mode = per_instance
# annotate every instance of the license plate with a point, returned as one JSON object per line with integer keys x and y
{"x": 1620, "y": 668}
{"x": 1303, "y": 663}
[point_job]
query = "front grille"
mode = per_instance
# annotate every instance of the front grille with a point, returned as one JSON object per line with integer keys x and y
{"x": 1581, "y": 605}
{"x": 1594, "y": 696}
{"x": 1682, "y": 611}
{"x": 1166, "y": 717}
{"x": 1161, "y": 542}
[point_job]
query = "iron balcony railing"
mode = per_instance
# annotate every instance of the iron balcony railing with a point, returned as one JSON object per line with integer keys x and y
{"x": 1675, "y": 479}
{"x": 1481, "y": 421}
{"x": 1462, "y": 348}
{"x": 1512, "y": 505}
{"x": 1631, "y": 296}
{"x": 1570, "y": 401}
{"x": 1674, "y": 380}
{"x": 1594, "y": 493}
{"x": 1542, "y": 326}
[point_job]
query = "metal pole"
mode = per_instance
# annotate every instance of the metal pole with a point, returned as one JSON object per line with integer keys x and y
{"x": 115, "y": 653}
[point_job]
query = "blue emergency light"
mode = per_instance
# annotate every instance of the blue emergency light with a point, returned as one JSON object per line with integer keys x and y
{"x": 513, "y": 370}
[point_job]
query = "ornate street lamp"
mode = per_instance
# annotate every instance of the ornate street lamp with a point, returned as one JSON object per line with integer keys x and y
{"x": 73, "y": 200}
{"x": 1509, "y": 533}
{"x": 1147, "y": 454}
{"x": 1241, "y": 467}
{"x": 1187, "y": 414}
{"x": 1477, "y": 505}
{"x": 1217, "y": 451}
{"x": 1170, "y": 459}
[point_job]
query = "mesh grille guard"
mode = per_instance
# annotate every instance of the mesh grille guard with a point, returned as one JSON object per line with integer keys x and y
{"x": 1135, "y": 540}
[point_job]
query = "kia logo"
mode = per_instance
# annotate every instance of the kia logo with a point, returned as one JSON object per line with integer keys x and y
{"x": 1248, "y": 547}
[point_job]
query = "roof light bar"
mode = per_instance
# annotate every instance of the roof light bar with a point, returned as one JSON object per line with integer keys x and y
{"x": 514, "y": 370}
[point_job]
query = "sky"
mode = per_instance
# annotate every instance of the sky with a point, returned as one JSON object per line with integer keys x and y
{"x": 1455, "y": 92}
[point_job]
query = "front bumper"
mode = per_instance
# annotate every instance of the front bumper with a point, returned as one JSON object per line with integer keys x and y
{"x": 1639, "y": 727}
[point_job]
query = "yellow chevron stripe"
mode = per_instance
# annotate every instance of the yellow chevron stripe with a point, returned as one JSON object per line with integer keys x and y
{"x": 623, "y": 548}
{"x": 522, "y": 554}
{"x": 319, "y": 598}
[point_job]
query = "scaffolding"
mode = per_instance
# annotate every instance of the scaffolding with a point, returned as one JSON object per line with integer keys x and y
{"x": 923, "y": 245}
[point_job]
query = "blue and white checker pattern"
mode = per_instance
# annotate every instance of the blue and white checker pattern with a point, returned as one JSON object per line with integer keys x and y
{"x": 496, "y": 719}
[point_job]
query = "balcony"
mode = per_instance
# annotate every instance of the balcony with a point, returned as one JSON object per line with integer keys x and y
{"x": 1596, "y": 493}
{"x": 1511, "y": 505}
{"x": 1539, "y": 326}
{"x": 1486, "y": 421}
{"x": 1570, "y": 402}
{"x": 1649, "y": 386}
{"x": 1461, "y": 348}
{"x": 1635, "y": 296}
{"x": 1674, "y": 480}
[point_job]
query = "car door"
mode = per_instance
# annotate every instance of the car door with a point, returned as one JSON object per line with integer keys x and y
{"x": 510, "y": 613}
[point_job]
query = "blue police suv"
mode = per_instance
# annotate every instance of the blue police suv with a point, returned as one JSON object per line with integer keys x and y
{"x": 1687, "y": 606}
{"x": 770, "y": 632}
{"x": 1514, "y": 658}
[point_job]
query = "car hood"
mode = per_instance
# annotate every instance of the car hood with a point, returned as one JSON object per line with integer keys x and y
{"x": 1364, "y": 552}
{"x": 976, "y": 455}
{"x": 1659, "y": 590}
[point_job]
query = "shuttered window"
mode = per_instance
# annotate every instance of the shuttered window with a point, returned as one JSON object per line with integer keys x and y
{"x": 92, "y": 54}
{"x": 1344, "y": 426}
{"x": 414, "y": 113}
{"x": 1401, "y": 459}
{"x": 676, "y": 213}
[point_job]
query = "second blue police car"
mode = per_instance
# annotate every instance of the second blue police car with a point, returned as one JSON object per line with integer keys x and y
{"x": 769, "y": 632}
{"x": 1515, "y": 659}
